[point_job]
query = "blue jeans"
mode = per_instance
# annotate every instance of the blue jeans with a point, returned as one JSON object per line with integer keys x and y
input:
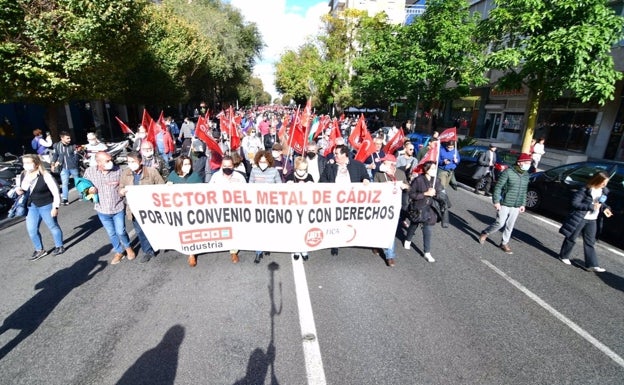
{"x": 33, "y": 220}
{"x": 65, "y": 181}
{"x": 390, "y": 254}
{"x": 115, "y": 226}
{"x": 145, "y": 244}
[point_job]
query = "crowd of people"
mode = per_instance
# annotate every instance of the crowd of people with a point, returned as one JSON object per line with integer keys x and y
{"x": 265, "y": 156}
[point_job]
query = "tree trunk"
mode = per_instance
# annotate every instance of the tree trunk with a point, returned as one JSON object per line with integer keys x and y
{"x": 533, "y": 104}
{"x": 51, "y": 120}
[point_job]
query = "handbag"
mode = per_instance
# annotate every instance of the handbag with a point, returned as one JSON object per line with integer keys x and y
{"x": 417, "y": 212}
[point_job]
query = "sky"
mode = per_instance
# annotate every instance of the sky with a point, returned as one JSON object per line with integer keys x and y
{"x": 284, "y": 24}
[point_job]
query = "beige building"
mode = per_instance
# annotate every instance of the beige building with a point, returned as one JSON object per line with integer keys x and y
{"x": 395, "y": 9}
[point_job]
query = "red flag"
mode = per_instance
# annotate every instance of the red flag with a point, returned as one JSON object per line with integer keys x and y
{"x": 395, "y": 143}
{"x": 147, "y": 120}
{"x": 204, "y": 133}
{"x": 367, "y": 148}
{"x": 124, "y": 127}
{"x": 359, "y": 133}
{"x": 333, "y": 135}
{"x": 432, "y": 155}
{"x": 297, "y": 139}
{"x": 448, "y": 135}
{"x": 161, "y": 120}
{"x": 306, "y": 115}
{"x": 231, "y": 128}
{"x": 323, "y": 123}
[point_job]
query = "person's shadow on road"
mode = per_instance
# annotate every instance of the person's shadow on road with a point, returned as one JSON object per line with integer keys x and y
{"x": 157, "y": 366}
{"x": 28, "y": 317}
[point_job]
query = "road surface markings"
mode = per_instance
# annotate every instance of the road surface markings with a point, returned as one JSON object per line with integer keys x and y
{"x": 311, "y": 348}
{"x": 580, "y": 331}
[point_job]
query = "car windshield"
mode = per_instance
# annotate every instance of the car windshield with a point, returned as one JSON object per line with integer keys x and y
{"x": 584, "y": 173}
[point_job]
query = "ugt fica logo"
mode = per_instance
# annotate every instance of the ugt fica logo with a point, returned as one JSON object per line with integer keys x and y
{"x": 314, "y": 237}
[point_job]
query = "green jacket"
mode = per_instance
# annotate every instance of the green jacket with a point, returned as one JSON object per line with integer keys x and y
{"x": 511, "y": 188}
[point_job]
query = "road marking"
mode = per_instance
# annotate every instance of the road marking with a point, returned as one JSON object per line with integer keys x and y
{"x": 311, "y": 347}
{"x": 580, "y": 331}
{"x": 553, "y": 224}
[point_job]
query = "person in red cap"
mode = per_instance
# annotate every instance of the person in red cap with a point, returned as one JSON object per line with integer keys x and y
{"x": 389, "y": 173}
{"x": 509, "y": 200}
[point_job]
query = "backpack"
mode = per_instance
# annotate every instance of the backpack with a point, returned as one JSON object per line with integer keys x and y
{"x": 35, "y": 143}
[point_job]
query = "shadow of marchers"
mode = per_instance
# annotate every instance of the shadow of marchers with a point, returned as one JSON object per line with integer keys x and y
{"x": 615, "y": 281}
{"x": 159, "y": 365}
{"x": 28, "y": 317}
{"x": 86, "y": 228}
{"x": 259, "y": 361}
{"x": 528, "y": 239}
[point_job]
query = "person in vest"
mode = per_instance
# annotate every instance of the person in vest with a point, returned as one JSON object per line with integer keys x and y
{"x": 40, "y": 144}
{"x": 43, "y": 204}
{"x": 64, "y": 161}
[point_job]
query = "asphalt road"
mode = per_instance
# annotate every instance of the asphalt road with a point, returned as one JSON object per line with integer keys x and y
{"x": 475, "y": 316}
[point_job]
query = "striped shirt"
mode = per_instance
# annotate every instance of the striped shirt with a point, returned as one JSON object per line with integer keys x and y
{"x": 107, "y": 185}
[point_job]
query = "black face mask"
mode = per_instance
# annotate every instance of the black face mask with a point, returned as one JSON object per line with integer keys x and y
{"x": 310, "y": 154}
{"x": 227, "y": 171}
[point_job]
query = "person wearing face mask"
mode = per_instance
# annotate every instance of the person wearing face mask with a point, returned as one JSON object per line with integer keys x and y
{"x": 43, "y": 204}
{"x": 183, "y": 173}
{"x": 300, "y": 175}
{"x": 423, "y": 191}
{"x": 280, "y": 162}
{"x": 251, "y": 145}
{"x": 389, "y": 173}
{"x": 153, "y": 160}
{"x": 110, "y": 207}
{"x": 316, "y": 162}
{"x": 514, "y": 182}
{"x": 139, "y": 137}
{"x": 228, "y": 174}
{"x": 93, "y": 146}
{"x": 448, "y": 161}
{"x": 138, "y": 174}
{"x": 264, "y": 172}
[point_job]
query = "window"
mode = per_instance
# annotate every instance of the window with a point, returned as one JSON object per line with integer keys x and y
{"x": 513, "y": 122}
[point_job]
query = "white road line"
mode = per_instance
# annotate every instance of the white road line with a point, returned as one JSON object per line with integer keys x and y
{"x": 553, "y": 224}
{"x": 580, "y": 331}
{"x": 311, "y": 348}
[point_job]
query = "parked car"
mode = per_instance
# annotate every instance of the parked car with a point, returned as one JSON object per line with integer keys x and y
{"x": 469, "y": 157}
{"x": 418, "y": 139}
{"x": 552, "y": 191}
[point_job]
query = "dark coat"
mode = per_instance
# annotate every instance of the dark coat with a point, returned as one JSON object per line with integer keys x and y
{"x": 582, "y": 202}
{"x": 357, "y": 172}
{"x": 431, "y": 209}
{"x": 484, "y": 164}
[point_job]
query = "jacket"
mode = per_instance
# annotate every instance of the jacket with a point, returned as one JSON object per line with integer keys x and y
{"x": 148, "y": 176}
{"x": 357, "y": 172}
{"x": 484, "y": 164}
{"x": 582, "y": 202}
{"x": 511, "y": 188}
{"x": 430, "y": 207}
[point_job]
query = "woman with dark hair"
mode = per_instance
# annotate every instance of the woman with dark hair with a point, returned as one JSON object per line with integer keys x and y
{"x": 43, "y": 204}
{"x": 263, "y": 172}
{"x": 588, "y": 207}
{"x": 422, "y": 192}
{"x": 183, "y": 173}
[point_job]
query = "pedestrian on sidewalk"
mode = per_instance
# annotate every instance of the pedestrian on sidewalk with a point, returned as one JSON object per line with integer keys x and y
{"x": 588, "y": 209}
{"x": 110, "y": 207}
{"x": 509, "y": 200}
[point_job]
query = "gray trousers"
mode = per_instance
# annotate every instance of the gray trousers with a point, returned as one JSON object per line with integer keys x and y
{"x": 506, "y": 216}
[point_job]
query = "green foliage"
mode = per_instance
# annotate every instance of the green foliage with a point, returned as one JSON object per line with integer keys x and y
{"x": 466, "y": 141}
{"x": 294, "y": 71}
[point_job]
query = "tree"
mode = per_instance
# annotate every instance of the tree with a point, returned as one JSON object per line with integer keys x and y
{"x": 295, "y": 69}
{"x": 552, "y": 47}
{"x": 56, "y": 51}
{"x": 252, "y": 93}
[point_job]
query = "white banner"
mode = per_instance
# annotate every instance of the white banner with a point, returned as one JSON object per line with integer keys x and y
{"x": 200, "y": 218}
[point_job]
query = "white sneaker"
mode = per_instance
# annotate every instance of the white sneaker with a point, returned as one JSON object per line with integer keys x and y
{"x": 407, "y": 245}
{"x": 596, "y": 269}
{"x": 429, "y": 258}
{"x": 566, "y": 261}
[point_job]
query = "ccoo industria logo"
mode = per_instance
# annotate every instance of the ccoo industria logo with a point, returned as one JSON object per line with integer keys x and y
{"x": 314, "y": 237}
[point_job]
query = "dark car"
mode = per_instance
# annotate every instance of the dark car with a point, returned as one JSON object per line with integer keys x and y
{"x": 552, "y": 191}
{"x": 469, "y": 157}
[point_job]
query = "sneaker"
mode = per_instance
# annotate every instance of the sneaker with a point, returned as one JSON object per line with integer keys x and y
{"x": 304, "y": 256}
{"x": 566, "y": 261}
{"x": 38, "y": 254}
{"x": 407, "y": 245}
{"x": 65, "y": 202}
{"x": 259, "y": 256}
{"x": 146, "y": 258}
{"x": 482, "y": 238}
{"x": 334, "y": 251}
{"x": 295, "y": 256}
{"x": 116, "y": 258}
{"x": 596, "y": 269}
{"x": 390, "y": 262}
{"x": 429, "y": 258}
{"x": 505, "y": 247}
{"x": 58, "y": 250}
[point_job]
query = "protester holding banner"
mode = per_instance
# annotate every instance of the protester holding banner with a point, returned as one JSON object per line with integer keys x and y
{"x": 373, "y": 162}
{"x": 264, "y": 172}
{"x": 281, "y": 162}
{"x": 389, "y": 173}
{"x": 138, "y": 174}
{"x": 110, "y": 207}
{"x": 344, "y": 170}
{"x": 300, "y": 175}
{"x": 316, "y": 162}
